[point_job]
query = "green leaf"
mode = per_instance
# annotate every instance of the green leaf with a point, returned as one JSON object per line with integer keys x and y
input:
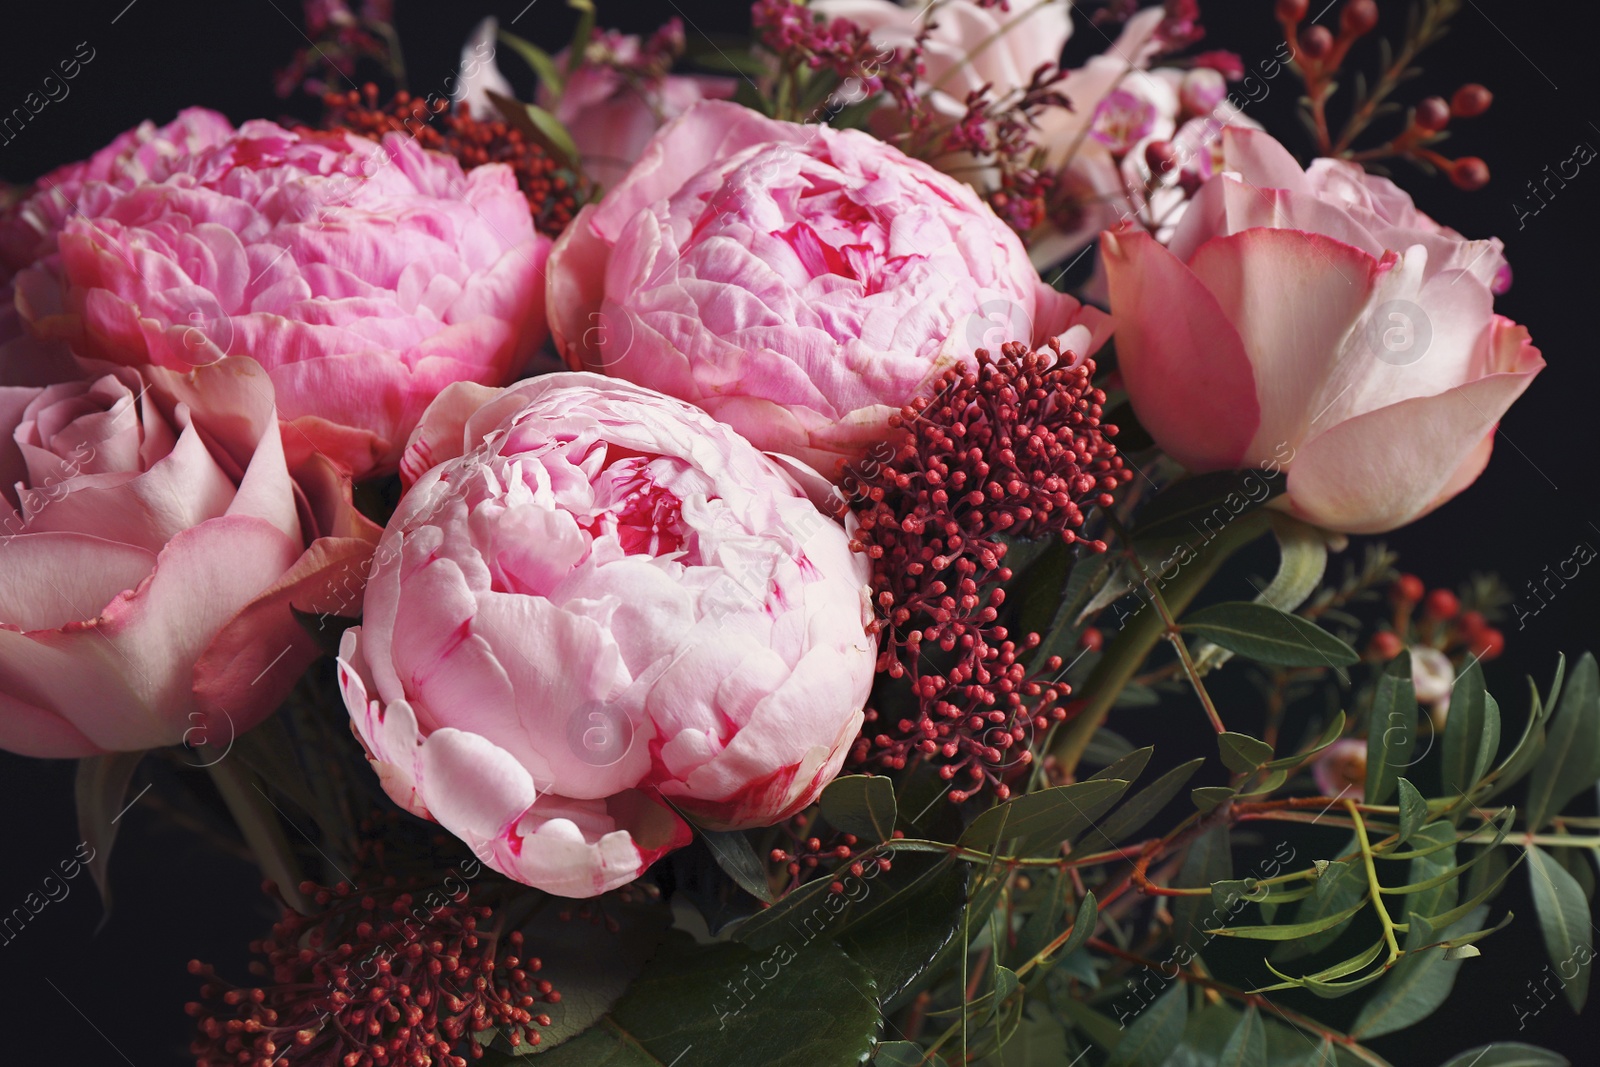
{"x": 1331, "y": 733}
{"x": 579, "y": 46}
{"x": 1341, "y": 885}
{"x": 1292, "y": 931}
{"x": 1242, "y": 753}
{"x": 861, "y": 804}
{"x": 800, "y": 1004}
{"x": 543, "y": 65}
{"x": 1530, "y": 746}
{"x": 591, "y": 966}
{"x": 907, "y": 934}
{"x": 1207, "y": 797}
{"x": 1127, "y": 767}
{"x": 1571, "y": 761}
{"x": 1426, "y": 871}
{"x": 1105, "y": 747}
{"x": 1471, "y": 733}
{"x": 1036, "y": 824}
{"x": 1248, "y": 1045}
{"x": 1041, "y": 580}
{"x": 1415, "y": 986}
{"x": 820, "y": 913}
{"x": 1155, "y": 1032}
{"x": 1507, "y": 1054}
{"x": 1392, "y": 730}
{"x": 1269, "y": 636}
{"x": 1413, "y": 811}
{"x": 1208, "y": 861}
{"x": 1563, "y": 920}
{"x": 1133, "y": 815}
{"x": 735, "y": 855}
{"x": 100, "y": 791}
{"x": 1196, "y": 508}
{"x": 553, "y": 134}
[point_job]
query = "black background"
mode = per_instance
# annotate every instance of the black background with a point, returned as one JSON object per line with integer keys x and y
{"x": 69, "y": 994}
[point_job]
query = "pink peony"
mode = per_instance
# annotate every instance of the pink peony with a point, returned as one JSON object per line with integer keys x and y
{"x": 155, "y": 545}
{"x": 1317, "y": 320}
{"x": 595, "y": 597}
{"x": 364, "y": 277}
{"x": 798, "y": 282}
{"x": 29, "y": 227}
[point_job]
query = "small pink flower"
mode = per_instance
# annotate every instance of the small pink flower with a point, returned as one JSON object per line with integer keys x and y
{"x": 1316, "y": 321}
{"x": 1122, "y": 120}
{"x": 1341, "y": 769}
{"x": 364, "y": 277}
{"x": 592, "y": 600}
{"x": 798, "y": 282}
{"x": 157, "y": 541}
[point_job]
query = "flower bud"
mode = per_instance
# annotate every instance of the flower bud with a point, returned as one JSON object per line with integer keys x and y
{"x": 1470, "y": 101}
{"x": 1316, "y": 42}
{"x": 1469, "y": 173}
{"x": 1358, "y": 18}
{"x": 1433, "y": 114}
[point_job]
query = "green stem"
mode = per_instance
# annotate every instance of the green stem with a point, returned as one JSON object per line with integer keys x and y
{"x": 1128, "y": 651}
{"x": 1374, "y": 887}
{"x": 262, "y": 832}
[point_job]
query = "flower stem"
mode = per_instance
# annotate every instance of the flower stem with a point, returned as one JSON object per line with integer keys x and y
{"x": 262, "y": 832}
{"x": 1128, "y": 651}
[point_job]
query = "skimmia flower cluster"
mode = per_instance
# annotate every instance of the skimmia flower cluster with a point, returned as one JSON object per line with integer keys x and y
{"x": 374, "y": 977}
{"x": 1012, "y": 450}
{"x": 553, "y": 193}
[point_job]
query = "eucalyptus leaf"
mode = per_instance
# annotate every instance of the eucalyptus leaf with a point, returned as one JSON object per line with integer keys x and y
{"x": 736, "y": 856}
{"x": 1341, "y": 885}
{"x": 1570, "y": 763}
{"x": 1248, "y": 1045}
{"x": 1038, "y": 823}
{"x": 861, "y": 804}
{"x": 1267, "y": 635}
{"x": 1507, "y": 1054}
{"x": 1137, "y": 811}
{"x": 1416, "y": 986}
{"x": 1471, "y": 733}
{"x": 1207, "y": 797}
{"x": 1413, "y": 811}
{"x": 1242, "y": 753}
{"x": 797, "y": 1005}
{"x": 1155, "y": 1032}
{"x": 905, "y": 936}
{"x": 1208, "y": 861}
{"x": 1563, "y": 913}
{"x": 1392, "y": 729}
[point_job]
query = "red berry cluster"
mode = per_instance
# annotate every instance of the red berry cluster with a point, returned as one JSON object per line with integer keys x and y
{"x": 1440, "y": 623}
{"x": 552, "y": 197}
{"x": 1014, "y": 447}
{"x": 375, "y": 978}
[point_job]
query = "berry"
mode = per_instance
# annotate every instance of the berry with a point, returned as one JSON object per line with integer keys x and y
{"x": 1316, "y": 42}
{"x": 1384, "y": 646}
{"x": 1442, "y": 604}
{"x": 1160, "y": 157}
{"x": 1408, "y": 589}
{"x": 1489, "y": 644}
{"x": 1433, "y": 114}
{"x": 1358, "y": 18}
{"x": 1091, "y": 639}
{"x": 1290, "y": 12}
{"x": 1470, "y": 101}
{"x": 1470, "y": 173}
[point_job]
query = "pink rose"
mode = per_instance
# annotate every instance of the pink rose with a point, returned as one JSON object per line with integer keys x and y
{"x": 1317, "y": 321}
{"x": 970, "y": 45}
{"x": 595, "y": 597}
{"x": 612, "y": 104}
{"x": 800, "y": 283}
{"x": 364, "y": 277}
{"x": 152, "y": 550}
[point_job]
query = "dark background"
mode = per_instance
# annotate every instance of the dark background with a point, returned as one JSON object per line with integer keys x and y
{"x": 70, "y": 994}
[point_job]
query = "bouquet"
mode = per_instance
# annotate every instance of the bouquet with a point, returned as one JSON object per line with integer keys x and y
{"x": 659, "y": 561}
